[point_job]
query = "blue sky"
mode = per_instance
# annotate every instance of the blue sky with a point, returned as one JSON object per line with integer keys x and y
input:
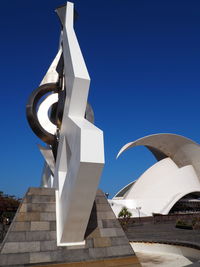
{"x": 144, "y": 61}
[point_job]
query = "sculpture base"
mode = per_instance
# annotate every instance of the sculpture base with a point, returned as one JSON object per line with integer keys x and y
{"x": 31, "y": 239}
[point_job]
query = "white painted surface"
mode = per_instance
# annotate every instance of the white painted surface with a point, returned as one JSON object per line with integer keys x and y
{"x": 183, "y": 151}
{"x": 52, "y": 76}
{"x": 80, "y": 156}
{"x": 155, "y": 254}
{"x": 158, "y": 189}
{"x": 48, "y": 156}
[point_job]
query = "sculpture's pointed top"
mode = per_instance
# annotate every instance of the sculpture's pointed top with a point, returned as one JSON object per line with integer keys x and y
{"x": 61, "y": 12}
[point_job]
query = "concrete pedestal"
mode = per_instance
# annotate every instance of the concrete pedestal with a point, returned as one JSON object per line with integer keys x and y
{"x": 31, "y": 239}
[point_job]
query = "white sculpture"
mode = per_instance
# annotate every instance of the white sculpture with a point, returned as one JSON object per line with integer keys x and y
{"x": 74, "y": 164}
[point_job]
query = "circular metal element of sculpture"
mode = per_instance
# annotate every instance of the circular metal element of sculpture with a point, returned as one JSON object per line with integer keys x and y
{"x": 45, "y": 118}
{"x": 31, "y": 112}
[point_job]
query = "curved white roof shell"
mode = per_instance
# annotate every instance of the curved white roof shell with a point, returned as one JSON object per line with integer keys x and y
{"x": 176, "y": 174}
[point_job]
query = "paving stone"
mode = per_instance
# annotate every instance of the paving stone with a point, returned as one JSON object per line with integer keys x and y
{"x": 99, "y": 193}
{"x": 40, "y": 199}
{"x": 52, "y": 226}
{"x": 40, "y": 235}
{"x": 16, "y": 236}
{"x": 118, "y": 241}
{"x": 101, "y": 242}
{"x": 27, "y": 216}
{"x": 76, "y": 255}
{"x": 89, "y": 243}
{"x": 111, "y": 223}
{"x": 105, "y": 215}
{"x": 94, "y": 233}
{"x": 98, "y": 253}
{"x": 101, "y": 200}
{"x": 100, "y": 224}
{"x": 40, "y": 226}
{"x": 47, "y": 216}
{"x": 120, "y": 232}
{"x": 48, "y": 245}
{"x": 42, "y": 207}
{"x": 108, "y": 232}
{"x": 41, "y": 191}
{"x": 23, "y": 208}
{"x": 103, "y": 207}
{"x": 39, "y": 257}
{"x": 124, "y": 250}
{"x": 22, "y": 258}
{"x": 20, "y": 247}
{"x": 57, "y": 256}
{"x": 21, "y": 226}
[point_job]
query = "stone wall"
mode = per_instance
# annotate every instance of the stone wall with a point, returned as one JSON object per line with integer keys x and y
{"x": 31, "y": 239}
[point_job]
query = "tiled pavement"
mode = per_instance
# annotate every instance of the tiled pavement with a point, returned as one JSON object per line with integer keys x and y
{"x": 163, "y": 232}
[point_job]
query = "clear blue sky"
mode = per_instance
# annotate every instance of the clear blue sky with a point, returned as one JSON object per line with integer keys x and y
{"x": 144, "y": 61}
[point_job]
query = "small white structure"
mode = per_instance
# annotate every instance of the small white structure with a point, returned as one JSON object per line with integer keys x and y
{"x": 175, "y": 175}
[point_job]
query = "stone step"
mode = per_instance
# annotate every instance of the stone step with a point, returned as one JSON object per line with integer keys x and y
{"x": 31, "y": 239}
{"x": 40, "y": 199}
{"x": 41, "y": 191}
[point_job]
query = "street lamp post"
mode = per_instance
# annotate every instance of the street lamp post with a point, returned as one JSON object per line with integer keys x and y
{"x": 138, "y": 209}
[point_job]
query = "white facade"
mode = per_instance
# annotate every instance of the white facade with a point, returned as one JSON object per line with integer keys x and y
{"x": 163, "y": 184}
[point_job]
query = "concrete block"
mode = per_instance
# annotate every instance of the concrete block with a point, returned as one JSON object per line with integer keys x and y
{"x": 23, "y": 208}
{"x": 57, "y": 256}
{"x": 107, "y": 232}
{"x": 103, "y": 207}
{"x": 105, "y": 215}
{"x": 76, "y": 255}
{"x": 39, "y": 257}
{"x": 89, "y": 243}
{"x": 52, "y": 226}
{"x": 47, "y": 216}
{"x": 114, "y": 223}
{"x": 100, "y": 193}
{"x": 101, "y": 242}
{"x": 100, "y": 224}
{"x": 98, "y": 253}
{"x": 40, "y": 199}
{"x": 27, "y": 216}
{"x": 118, "y": 241}
{"x": 101, "y": 200}
{"x": 12, "y": 259}
{"x": 94, "y": 233}
{"x": 40, "y": 226}
{"x": 48, "y": 245}
{"x": 124, "y": 250}
{"x": 20, "y": 226}
{"x": 120, "y": 232}
{"x": 40, "y": 235}
{"x": 16, "y": 236}
{"x": 41, "y": 207}
{"x": 41, "y": 191}
{"x": 20, "y": 247}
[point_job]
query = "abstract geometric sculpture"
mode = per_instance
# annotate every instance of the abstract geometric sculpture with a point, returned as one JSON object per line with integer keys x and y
{"x": 74, "y": 155}
{"x": 175, "y": 175}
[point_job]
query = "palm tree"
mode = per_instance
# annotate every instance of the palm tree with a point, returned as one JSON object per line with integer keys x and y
{"x": 125, "y": 215}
